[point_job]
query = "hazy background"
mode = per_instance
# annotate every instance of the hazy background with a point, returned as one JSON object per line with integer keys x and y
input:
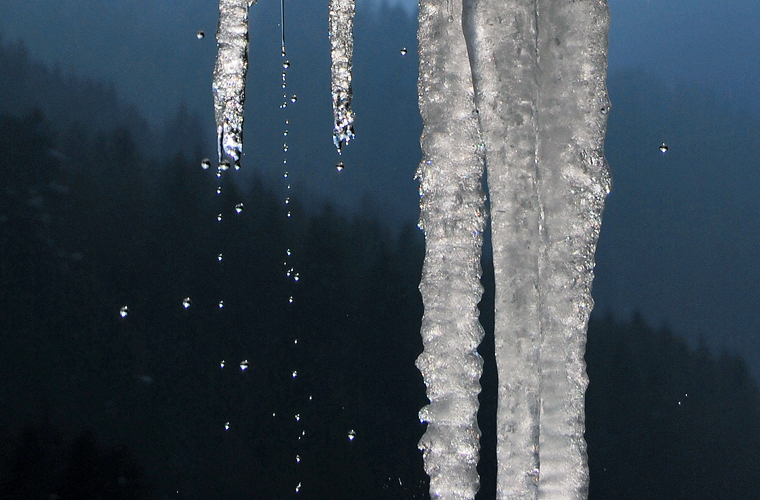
{"x": 680, "y": 234}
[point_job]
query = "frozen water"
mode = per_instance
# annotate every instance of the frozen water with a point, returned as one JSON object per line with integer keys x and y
{"x": 341, "y": 31}
{"x": 452, "y": 216}
{"x": 539, "y": 81}
{"x": 230, "y": 73}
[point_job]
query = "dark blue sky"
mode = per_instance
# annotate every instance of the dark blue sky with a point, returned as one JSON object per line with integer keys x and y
{"x": 680, "y": 237}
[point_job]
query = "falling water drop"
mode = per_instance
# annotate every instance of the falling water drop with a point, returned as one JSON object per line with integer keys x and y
{"x": 286, "y": 64}
{"x": 298, "y": 459}
{"x": 285, "y": 148}
{"x": 403, "y": 51}
{"x": 244, "y": 365}
{"x": 186, "y": 302}
{"x": 219, "y": 217}
{"x": 294, "y": 98}
{"x": 221, "y": 364}
{"x": 224, "y": 165}
{"x": 239, "y": 207}
{"x": 219, "y": 257}
{"x": 221, "y": 304}
{"x": 226, "y": 426}
{"x": 298, "y": 487}
{"x": 219, "y": 190}
{"x": 200, "y": 35}
{"x": 123, "y": 311}
{"x": 663, "y": 148}
{"x": 205, "y": 164}
{"x": 297, "y": 416}
{"x": 295, "y": 373}
{"x": 340, "y": 166}
{"x": 351, "y": 435}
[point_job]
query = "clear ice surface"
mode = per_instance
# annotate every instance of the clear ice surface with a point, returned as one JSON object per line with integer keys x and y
{"x": 341, "y": 32}
{"x": 230, "y": 73}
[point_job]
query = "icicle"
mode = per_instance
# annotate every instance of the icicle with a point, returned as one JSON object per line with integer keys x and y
{"x": 539, "y": 81}
{"x": 230, "y": 76}
{"x": 575, "y": 180}
{"x": 452, "y": 214}
{"x": 341, "y": 31}
{"x": 503, "y": 57}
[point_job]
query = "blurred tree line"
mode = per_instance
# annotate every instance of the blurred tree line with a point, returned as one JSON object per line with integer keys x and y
{"x": 99, "y": 406}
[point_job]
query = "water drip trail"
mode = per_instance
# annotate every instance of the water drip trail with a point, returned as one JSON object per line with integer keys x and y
{"x": 295, "y": 414}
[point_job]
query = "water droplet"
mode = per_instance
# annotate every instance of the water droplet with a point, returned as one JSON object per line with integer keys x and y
{"x": 340, "y": 166}
{"x": 219, "y": 257}
{"x": 219, "y": 217}
{"x": 403, "y": 51}
{"x": 290, "y": 301}
{"x": 224, "y": 165}
{"x": 295, "y": 373}
{"x": 298, "y": 487}
{"x": 226, "y": 426}
{"x": 186, "y": 302}
{"x": 663, "y": 148}
{"x": 285, "y": 133}
{"x": 244, "y": 365}
{"x": 221, "y": 304}
{"x": 287, "y": 201}
{"x": 298, "y": 459}
{"x": 123, "y": 311}
{"x": 296, "y": 278}
{"x": 219, "y": 190}
{"x": 200, "y": 35}
{"x": 286, "y": 64}
{"x": 351, "y": 435}
{"x": 239, "y": 207}
{"x": 451, "y": 19}
{"x": 294, "y": 98}
{"x": 285, "y": 147}
{"x": 288, "y": 215}
{"x": 285, "y": 175}
{"x": 288, "y": 251}
{"x": 604, "y": 110}
{"x": 205, "y": 164}
{"x": 221, "y": 364}
{"x": 283, "y": 75}
{"x": 297, "y": 416}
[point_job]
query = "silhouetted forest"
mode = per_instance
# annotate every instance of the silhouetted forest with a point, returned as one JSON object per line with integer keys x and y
{"x": 95, "y": 405}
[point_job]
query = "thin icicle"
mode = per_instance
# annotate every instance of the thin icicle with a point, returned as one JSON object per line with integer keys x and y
{"x": 230, "y": 73}
{"x": 452, "y": 214}
{"x": 341, "y": 31}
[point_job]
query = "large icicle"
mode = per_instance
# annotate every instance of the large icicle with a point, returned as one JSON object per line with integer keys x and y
{"x": 501, "y": 37}
{"x": 574, "y": 181}
{"x": 453, "y": 218}
{"x": 341, "y": 31}
{"x": 230, "y": 73}
{"x": 539, "y": 70}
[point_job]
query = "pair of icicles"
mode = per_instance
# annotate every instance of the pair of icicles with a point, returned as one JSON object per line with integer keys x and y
{"x": 231, "y": 69}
